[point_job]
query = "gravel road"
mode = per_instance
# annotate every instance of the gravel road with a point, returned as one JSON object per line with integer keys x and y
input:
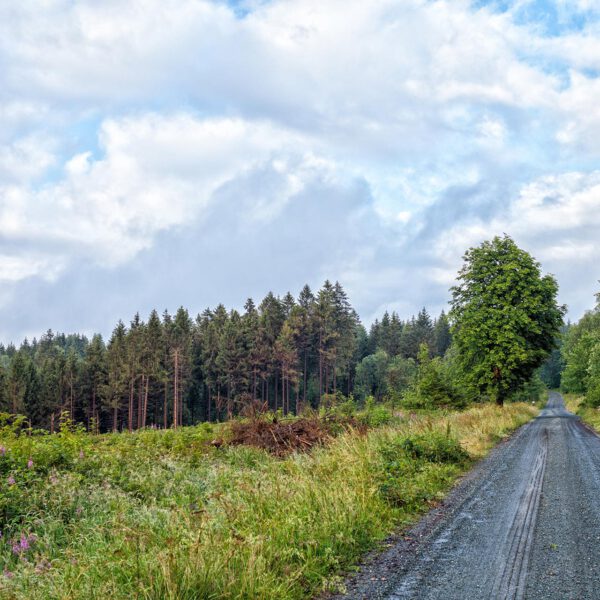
{"x": 524, "y": 524}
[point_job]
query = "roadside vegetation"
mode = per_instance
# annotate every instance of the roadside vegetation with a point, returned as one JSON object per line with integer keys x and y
{"x": 579, "y": 366}
{"x": 333, "y": 437}
{"x": 581, "y": 358}
{"x": 578, "y": 405}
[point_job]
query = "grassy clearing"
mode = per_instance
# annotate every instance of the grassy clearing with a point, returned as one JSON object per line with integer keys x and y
{"x": 590, "y": 415}
{"x": 165, "y": 515}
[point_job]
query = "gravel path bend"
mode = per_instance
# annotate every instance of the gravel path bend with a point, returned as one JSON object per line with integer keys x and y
{"x": 524, "y": 524}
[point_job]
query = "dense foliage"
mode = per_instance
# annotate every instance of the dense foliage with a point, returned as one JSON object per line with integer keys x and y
{"x": 505, "y": 315}
{"x": 172, "y": 370}
{"x": 581, "y": 356}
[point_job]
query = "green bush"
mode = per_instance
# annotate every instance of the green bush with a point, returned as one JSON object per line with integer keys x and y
{"x": 414, "y": 468}
{"x": 434, "y": 447}
{"x": 431, "y": 389}
{"x": 375, "y": 414}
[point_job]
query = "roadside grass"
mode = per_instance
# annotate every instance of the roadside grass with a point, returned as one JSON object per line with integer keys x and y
{"x": 575, "y": 403}
{"x": 167, "y": 515}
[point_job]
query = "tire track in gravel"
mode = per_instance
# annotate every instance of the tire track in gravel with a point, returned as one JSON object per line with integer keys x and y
{"x": 510, "y": 585}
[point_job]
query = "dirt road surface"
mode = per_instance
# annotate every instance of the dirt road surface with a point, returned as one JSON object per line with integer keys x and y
{"x": 524, "y": 524}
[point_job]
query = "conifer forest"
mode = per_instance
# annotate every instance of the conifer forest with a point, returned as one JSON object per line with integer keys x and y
{"x": 173, "y": 370}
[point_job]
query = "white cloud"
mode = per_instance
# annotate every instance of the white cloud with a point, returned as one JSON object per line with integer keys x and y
{"x": 556, "y": 217}
{"x": 156, "y": 172}
{"x": 27, "y": 158}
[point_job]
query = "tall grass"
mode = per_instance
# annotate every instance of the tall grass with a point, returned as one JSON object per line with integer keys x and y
{"x": 164, "y": 515}
{"x": 576, "y": 404}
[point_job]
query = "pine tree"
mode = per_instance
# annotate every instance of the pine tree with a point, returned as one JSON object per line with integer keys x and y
{"x": 95, "y": 373}
{"x": 117, "y": 372}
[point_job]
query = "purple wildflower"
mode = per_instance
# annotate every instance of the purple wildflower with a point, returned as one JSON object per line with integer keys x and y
{"x": 8, "y": 574}
{"x": 30, "y": 464}
{"x": 24, "y": 543}
{"x": 11, "y": 480}
{"x": 2, "y": 451}
{"x": 78, "y": 511}
{"x": 81, "y": 454}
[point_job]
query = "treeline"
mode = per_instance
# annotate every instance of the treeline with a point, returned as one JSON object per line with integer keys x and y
{"x": 173, "y": 370}
{"x": 581, "y": 357}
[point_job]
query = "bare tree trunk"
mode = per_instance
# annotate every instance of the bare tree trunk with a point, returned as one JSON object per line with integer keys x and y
{"x": 218, "y": 407}
{"x": 165, "y": 409}
{"x": 229, "y": 408}
{"x": 305, "y": 375}
{"x": 334, "y": 378}
{"x": 94, "y": 408}
{"x": 130, "y": 407}
{"x": 283, "y": 391}
{"x": 140, "y": 403}
{"x": 72, "y": 399}
{"x": 176, "y": 389}
{"x": 320, "y": 368}
{"x": 145, "y": 408}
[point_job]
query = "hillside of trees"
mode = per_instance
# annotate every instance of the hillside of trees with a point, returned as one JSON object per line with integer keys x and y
{"x": 172, "y": 370}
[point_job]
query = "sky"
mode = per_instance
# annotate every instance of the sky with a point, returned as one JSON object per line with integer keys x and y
{"x": 158, "y": 153}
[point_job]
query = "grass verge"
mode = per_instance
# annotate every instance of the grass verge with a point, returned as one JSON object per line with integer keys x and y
{"x": 165, "y": 515}
{"x": 575, "y": 404}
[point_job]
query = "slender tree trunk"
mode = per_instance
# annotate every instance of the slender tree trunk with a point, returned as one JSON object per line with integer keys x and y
{"x": 334, "y": 378}
{"x": 94, "y": 408}
{"x": 305, "y": 375}
{"x": 209, "y": 394}
{"x": 145, "y": 409}
{"x": 165, "y": 403}
{"x": 140, "y": 402}
{"x": 218, "y": 407}
{"x": 176, "y": 390}
{"x": 72, "y": 398}
{"x": 130, "y": 407}
{"x": 320, "y": 367}
{"x": 115, "y": 418}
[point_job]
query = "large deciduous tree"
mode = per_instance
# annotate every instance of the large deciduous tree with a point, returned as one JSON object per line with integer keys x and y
{"x": 505, "y": 316}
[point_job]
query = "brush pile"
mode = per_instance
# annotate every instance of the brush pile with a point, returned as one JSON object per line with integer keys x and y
{"x": 284, "y": 437}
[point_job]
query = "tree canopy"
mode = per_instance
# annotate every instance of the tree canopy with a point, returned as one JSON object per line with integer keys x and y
{"x": 505, "y": 317}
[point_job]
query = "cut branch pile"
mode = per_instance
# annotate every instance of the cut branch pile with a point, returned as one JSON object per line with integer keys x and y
{"x": 283, "y": 437}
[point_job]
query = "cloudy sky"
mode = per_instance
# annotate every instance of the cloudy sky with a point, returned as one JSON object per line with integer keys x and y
{"x": 157, "y": 153}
